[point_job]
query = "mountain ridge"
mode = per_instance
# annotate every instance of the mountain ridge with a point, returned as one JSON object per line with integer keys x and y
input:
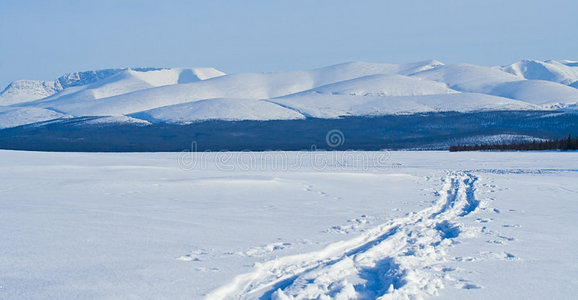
{"x": 186, "y": 95}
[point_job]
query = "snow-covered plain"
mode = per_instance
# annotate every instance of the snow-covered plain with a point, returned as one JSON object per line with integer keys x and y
{"x": 288, "y": 225}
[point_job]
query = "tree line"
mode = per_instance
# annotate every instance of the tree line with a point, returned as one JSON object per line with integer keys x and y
{"x": 570, "y": 143}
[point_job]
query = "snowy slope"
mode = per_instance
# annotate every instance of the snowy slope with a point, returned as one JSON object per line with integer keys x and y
{"x": 85, "y": 77}
{"x": 538, "y": 92}
{"x": 493, "y": 81}
{"x": 21, "y": 91}
{"x": 565, "y": 72}
{"x": 385, "y": 85}
{"x": 90, "y": 85}
{"x": 116, "y": 120}
{"x": 335, "y": 106}
{"x": 468, "y": 78}
{"x": 28, "y": 90}
{"x": 219, "y": 109}
{"x": 129, "y": 80}
{"x": 16, "y": 116}
{"x": 154, "y": 76}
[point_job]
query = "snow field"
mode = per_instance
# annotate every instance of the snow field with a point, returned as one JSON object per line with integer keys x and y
{"x": 421, "y": 224}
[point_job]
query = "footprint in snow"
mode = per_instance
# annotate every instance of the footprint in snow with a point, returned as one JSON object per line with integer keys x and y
{"x": 353, "y": 225}
{"x": 500, "y": 255}
{"x": 188, "y": 257}
{"x": 469, "y": 286}
{"x": 484, "y": 220}
{"x": 465, "y": 259}
{"x": 495, "y": 242}
{"x": 512, "y": 225}
{"x": 507, "y": 238}
{"x": 193, "y": 256}
{"x": 263, "y": 250}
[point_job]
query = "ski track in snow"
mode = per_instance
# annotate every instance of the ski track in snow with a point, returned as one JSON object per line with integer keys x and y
{"x": 400, "y": 259}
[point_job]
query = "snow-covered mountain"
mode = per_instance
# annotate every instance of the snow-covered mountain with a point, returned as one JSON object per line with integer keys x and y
{"x": 185, "y": 95}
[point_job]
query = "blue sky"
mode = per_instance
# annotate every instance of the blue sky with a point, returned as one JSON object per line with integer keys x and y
{"x": 43, "y": 39}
